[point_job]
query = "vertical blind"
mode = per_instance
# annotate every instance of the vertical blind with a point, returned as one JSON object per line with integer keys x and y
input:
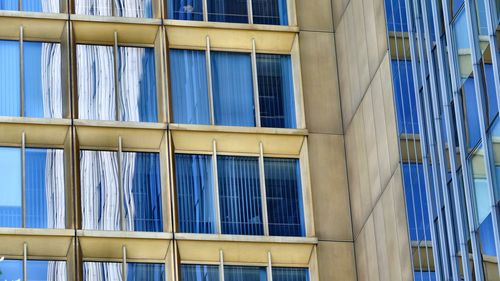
{"x": 244, "y": 273}
{"x": 195, "y": 272}
{"x": 123, "y": 8}
{"x": 284, "y": 197}
{"x": 240, "y": 198}
{"x": 189, "y": 87}
{"x": 273, "y": 12}
{"x": 228, "y": 11}
{"x": 195, "y": 193}
{"x": 232, "y": 89}
{"x": 290, "y": 274}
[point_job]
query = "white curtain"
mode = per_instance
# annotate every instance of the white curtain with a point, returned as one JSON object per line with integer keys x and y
{"x": 123, "y": 8}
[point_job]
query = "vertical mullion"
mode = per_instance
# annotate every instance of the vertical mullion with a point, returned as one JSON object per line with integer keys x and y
{"x": 23, "y": 178}
{"x": 269, "y": 267}
{"x": 120, "y": 184}
{"x": 118, "y": 112}
{"x": 221, "y": 265}
{"x": 205, "y": 10}
{"x": 263, "y": 194}
{"x": 209, "y": 80}
{"x": 255, "y": 84}
{"x": 21, "y": 68}
{"x": 25, "y": 261}
{"x": 216, "y": 189}
{"x": 20, "y": 3}
{"x": 250, "y": 11}
{"x": 124, "y": 262}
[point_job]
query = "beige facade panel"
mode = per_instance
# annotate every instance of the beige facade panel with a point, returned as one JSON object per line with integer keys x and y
{"x": 109, "y": 245}
{"x": 314, "y": 17}
{"x": 200, "y": 139}
{"x": 320, "y": 83}
{"x": 329, "y": 187}
{"x": 184, "y": 35}
{"x": 47, "y": 243}
{"x": 205, "y": 248}
{"x": 338, "y": 9}
{"x": 38, "y": 131}
{"x": 336, "y": 261}
{"x": 48, "y": 27}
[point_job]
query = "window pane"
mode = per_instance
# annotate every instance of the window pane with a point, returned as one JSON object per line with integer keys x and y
{"x": 123, "y": 8}
{"x": 396, "y": 15}
{"x": 45, "y": 270}
{"x": 10, "y": 187}
{"x": 244, "y": 273}
{"x": 145, "y": 271}
{"x": 45, "y": 204}
{"x": 195, "y": 193}
{"x": 96, "y": 85}
{"x": 11, "y": 270}
{"x": 185, "y": 9}
{"x": 290, "y": 274}
{"x": 239, "y": 192}
{"x": 47, "y": 6}
{"x": 10, "y": 100}
{"x": 9, "y": 5}
{"x": 228, "y": 11}
{"x": 191, "y": 272}
{"x": 141, "y": 182}
{"x": 136, "y": 77}
{"x": 270, "y": 12}
{"x": 188, "y": 78}
{"x": 232, "y": 89}
{"x": 99, "y": 188}
{"x": 102, "y": 271}
{"x": 404, "y": 94}
{"x": 284, "y": 197}
{"x": 276, "y": 98}
{"x": 416, "y": 202}
{"x": 42, "y": 80}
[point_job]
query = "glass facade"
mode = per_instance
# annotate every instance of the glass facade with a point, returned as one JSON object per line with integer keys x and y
{"x": 36, "y": 270}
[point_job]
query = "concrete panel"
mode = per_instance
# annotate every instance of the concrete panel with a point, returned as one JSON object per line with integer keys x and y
{"x": 365, "y": 196}
{"x": 371, "y": 36}
{"x": 338, "y": 8}
{"x": 371, "y": 249}
{"x": 362, "y": 258}
{"x": 391, "y": 235}
{"x": 353, "y": 177}
{"x": 344, "y": 75}
{"x": 320, "y": 84}
{"x": 329, "y": 187}
{"x": 336, "y": 261}
{"x": 381, "y": 27}
{"x": 357, "y": 20}
{"x": 315, "y": 16}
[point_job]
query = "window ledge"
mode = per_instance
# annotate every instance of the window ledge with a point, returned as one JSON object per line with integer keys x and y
{"x": 37, "y": 26}
{"x": 44, "y": 243}
{"x": 238, "y": 129}
{"x": 228, "y": 25}
{"x": 38, "y": 131}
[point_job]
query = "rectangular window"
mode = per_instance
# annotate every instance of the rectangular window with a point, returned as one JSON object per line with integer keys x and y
{"x": 244, "y": 273}
{"x": 130, "y": 203}
{"x": 239, "y": 195}
{"x": 290, "y": 274}
{"x": 195, "y": 272}
{"x": 416, "y": 202}
{"x": 42, "y": 79}
{"x": 44, "y": 186}
{"x": 51, "y": 6}
{"x": 404, "y": 93}
{"x": 134, "y": 100}
{"x": 232, "y": 89}
{"x": 36, "y": 270}
{"x": 117, "y": 8}
{"x": 272, "y": 12}
{"x": 112, "y": 271}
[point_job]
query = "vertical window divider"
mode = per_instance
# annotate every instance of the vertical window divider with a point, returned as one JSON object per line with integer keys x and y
{"x": 205, "y": 10}
{"x": 269, "y": 267}
{"x": 25, "y": 261}
{"x": 117, "y": 97}
{"x": 216, "y": 188}
{"x": 21, "y": 67}
{"x": 255, "y": 78}
{"x": 20, "y": 5}
{"x": 263, "y": 196}
{"x": 124, "y": 262}
{"x": 120, "y": 184}
{"x": 221, "y": 265}
{"x": 23, "y": 178}
{"x": 250, "y": 11}
{"x": 209, "y": 80}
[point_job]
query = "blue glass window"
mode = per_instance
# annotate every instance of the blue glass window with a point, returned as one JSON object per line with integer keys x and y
{"x": 405, "y": 97}
{"x": 136, "y": 78}
{"x": 101, "y": 203}
{"x": 10, "y": 101}
{"x": 193, "y": 272}
{"x": 36, "y": 270}
{"x": 416, "y": 202}
{"x": 240, "y": 198}
{"x": 395, "y": 11}
{"x": 195, "y": 193}
{"x": 273, "y": 12}
{"x": 185, "y": 9}
{"x": 10, "y": 187}
{"x": 232, "y": 89}
{"x": 471, "y": 114}
{"x": 244, "y": 273}
{"x": 290, "y": 274}
{"x": 9, "y": 5}
{"x": 425, "y": 276}
{"x": 228, "y": 11}
{"x": 31, "y": 5}
{"x": 188, "y": 76}
{"x": 276, "y": 93}
{"x": 284, "y": 197}
{"x": 145, "y": 271}
{"x": 122, "y": 8}
{"x": 490, "y": 89}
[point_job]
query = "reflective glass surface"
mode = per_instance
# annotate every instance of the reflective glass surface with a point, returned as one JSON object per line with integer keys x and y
{"x": 194, "y": 272}
{"x": 10, "y": 100}
{"x": 10, "y": 187}
{"x": 228, "y": 10}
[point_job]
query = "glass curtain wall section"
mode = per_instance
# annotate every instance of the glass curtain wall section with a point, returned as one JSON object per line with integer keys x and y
{"x": 240, "y": 195}
{"x": 44, "y": 205}
{"x": 36, "y": 270}
{"x": 125, "y": 94}
{"x": 271, "y": 12}
{"x": 117, "y": 8}
{"x": 199, "y": 272}
{"x": 129, "y": 200}
{"x": 194, "y": 103}
{"x": 45, "y": 6}
{"x": 42, "y": 78}
{"x": 111, "y": 271}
